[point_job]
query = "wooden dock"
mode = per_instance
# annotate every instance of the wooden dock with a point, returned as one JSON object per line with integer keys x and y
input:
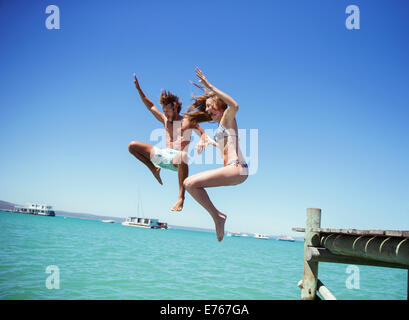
{"x": 381, "y": 248}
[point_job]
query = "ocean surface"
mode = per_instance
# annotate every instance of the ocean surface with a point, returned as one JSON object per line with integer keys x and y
{"x": 96, "y": 260}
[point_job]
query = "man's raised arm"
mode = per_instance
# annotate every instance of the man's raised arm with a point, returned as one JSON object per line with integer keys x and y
{"x": 148, "y": 102}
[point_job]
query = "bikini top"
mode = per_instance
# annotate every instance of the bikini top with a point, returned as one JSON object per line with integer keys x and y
{"x": 222, "y": 132}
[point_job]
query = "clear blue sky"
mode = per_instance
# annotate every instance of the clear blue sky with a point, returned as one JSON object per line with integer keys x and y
{"x": 331, "y": 106}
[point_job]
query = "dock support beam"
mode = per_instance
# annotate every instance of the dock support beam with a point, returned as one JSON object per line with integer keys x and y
{"x": 386, "y": 249}
{"x": 324, "y": 255}
{"x": 310, "y": 269}
{"x": 324, "y": 292}
{"x": 381, "y": 248}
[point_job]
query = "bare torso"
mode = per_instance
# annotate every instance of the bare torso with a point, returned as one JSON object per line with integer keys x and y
{"x": 229, "y": 145}
{"x": 178, "y": 134}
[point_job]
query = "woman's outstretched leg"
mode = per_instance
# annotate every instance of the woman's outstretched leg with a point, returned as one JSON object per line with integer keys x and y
{"x": 142, "y": 151}
{"x": 201, "y": 196}
{"x": 225, "y": 176}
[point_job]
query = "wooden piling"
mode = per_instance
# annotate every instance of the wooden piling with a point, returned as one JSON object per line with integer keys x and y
{"x": 310, "y": 269}
{"x": 381, "y": 248}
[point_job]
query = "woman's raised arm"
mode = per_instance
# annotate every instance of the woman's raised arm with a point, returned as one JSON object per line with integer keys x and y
{"x": 224, "y": 96}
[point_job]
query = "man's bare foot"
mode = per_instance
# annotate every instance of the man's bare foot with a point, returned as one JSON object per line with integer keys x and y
{"x": 156, "y": 174}
{"x": 219, "y": 223}
{"x": 178, "y": 205}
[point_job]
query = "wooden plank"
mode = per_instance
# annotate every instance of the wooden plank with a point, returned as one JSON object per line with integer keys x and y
{"x": 357, "y": 232}
{"x": 376, "y": 232}
{"x": 393, "y": 233}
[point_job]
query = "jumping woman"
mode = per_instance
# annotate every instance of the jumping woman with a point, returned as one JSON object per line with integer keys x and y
{"x": 216, "y": 105}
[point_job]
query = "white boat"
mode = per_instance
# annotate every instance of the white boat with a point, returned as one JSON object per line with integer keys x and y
{"x": 237, "y": 234}
{"x": 141, "y": 222}
{"x": 286, "y": 238}
{"x": 108, "y": 221}
{"x": 260, "y": 236}
{"x": 36, "y": 209}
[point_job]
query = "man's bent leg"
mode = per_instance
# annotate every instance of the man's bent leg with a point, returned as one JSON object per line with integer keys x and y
{"x": 142, "y": 151}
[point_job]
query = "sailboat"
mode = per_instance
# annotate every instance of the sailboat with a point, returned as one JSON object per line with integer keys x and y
{"x": 143, "y": 222}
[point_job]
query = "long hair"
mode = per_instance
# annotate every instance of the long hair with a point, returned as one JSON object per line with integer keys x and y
{"x": 197, "y": 111}
{"x": 166, "y": 97}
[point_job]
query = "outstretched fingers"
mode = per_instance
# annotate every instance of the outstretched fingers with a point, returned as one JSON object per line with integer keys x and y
{"x": 199, "y": 73}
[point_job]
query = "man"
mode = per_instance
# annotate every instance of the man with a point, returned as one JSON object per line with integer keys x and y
{"x": 178, "y": 133}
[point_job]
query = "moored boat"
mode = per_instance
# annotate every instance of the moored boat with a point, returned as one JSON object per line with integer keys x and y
{"x": 36, "y": 209}
{"x": 163, "y": 225}
{"x": 108, "y": 221}
{"x": 141, "y": 222}
{"x": 260, "y": 236}
{"x": 286, "y": 238}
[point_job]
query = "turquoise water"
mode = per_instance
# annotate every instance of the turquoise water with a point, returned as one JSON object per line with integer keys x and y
{"x": 109, "y": 261}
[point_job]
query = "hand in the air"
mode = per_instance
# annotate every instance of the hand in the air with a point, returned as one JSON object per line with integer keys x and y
{"x": 136, "y": 82}
{"x": 202, "y": 78}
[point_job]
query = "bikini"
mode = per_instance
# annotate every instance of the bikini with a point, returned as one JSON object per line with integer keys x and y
{"x": 221, "y": 132}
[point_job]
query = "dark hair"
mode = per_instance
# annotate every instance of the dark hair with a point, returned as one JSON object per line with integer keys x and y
{"x": 197, "y": 111}
{"x": 167, "y": 97}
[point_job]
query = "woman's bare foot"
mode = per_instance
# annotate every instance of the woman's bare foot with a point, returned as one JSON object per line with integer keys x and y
{"x": 219, "y": 223}
{"x": 156, "y": 174}
{"x": 178, "y": 205}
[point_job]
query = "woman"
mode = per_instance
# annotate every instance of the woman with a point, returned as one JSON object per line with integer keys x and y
{"x": 216, "y": 105}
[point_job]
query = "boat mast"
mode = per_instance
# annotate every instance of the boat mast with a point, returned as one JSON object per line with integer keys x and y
{"x": 140, "y": 209}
